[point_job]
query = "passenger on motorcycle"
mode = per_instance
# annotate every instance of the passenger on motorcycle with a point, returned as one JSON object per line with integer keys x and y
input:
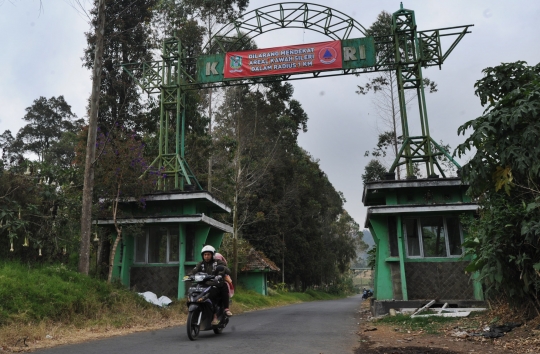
{"x": 210, "y": 265}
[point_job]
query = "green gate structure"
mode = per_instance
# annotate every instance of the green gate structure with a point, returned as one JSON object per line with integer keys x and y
{"x": 413, "y": 50}
{"x": 181, "y": 207}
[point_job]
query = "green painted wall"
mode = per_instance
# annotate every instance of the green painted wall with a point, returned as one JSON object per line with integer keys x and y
{"x": 255, "y": 281}
{"x": 201, "y": 234}
{"x": 182, "y": 261}
{"x": 214, "y": 238}
{"x": 383, "y": 276}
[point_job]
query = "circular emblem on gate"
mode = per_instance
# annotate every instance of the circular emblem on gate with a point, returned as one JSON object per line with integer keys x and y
{"x": 327, "y": 55}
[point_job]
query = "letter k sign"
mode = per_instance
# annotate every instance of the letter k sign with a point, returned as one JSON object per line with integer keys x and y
{"x": 211, "y": 68}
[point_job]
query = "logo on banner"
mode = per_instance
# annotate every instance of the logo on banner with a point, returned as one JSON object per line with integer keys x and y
{"x": 327, "y": 55}
{"x": 236, "y": 63}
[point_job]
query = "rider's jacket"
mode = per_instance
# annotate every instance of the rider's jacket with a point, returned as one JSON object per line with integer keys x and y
{"x": 210, "y": 267}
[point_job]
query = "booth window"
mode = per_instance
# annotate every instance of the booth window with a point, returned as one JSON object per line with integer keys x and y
{"x": 435, "y": 236}
{"x": 158, "y": 245}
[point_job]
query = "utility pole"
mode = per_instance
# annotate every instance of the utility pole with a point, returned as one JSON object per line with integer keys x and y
{"x": 88, "y": 188}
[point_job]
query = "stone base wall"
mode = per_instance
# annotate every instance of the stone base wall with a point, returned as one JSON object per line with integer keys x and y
{"x": 438, "y": 280}
{"x": 159, "y": 280}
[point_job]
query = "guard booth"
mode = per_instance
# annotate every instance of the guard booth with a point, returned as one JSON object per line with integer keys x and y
{"x": 254, "y": 274}
{"x": 416, "y": 227}
{"x": 171, "y": 230}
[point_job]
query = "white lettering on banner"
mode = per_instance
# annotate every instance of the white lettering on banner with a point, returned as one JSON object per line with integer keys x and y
{"x": 362, "y": 52}
{"x": 349, "y": 53}
{"x": 211, "y": 68}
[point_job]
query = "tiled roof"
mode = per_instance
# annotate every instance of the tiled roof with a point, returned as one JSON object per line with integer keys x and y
{"x": 258, "y": 261}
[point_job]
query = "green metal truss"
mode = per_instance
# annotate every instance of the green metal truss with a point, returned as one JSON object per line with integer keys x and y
{"x": 330, "y": 22}
{"x": 168, "y": 78}
{"x": 410, "y": 51}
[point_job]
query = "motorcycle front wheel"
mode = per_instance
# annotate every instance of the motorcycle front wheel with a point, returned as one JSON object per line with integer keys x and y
{"x": 192, "y": 327}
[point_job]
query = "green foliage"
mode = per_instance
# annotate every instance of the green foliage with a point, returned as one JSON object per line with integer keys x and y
{"x": 506, "y": 136}
{"x": 372, "y": 257}
{"x": 38, "y": 215}
{"x": 127, "y": 39}
{"x": 286, "y": 206}
{"x": 374, "y": 171}
{"x": 504, "y": 176}
{"x": 55, "y": 293}
{"x": 48, "y": 121}
{"x": 342, "y": 285}
{"x": 250, "y": 300}
{"x": 226, "y": 249}
{"x": 12, "y": 150}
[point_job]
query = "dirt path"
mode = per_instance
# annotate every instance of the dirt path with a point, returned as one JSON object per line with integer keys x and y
{"x": 385, "y": 340}
{"x": 382, "y": 338}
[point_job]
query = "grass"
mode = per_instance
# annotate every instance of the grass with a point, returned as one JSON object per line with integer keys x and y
{"x": 42, "y": 304}
{"x": 247, "y": 300}
{"x": 54, "y": 293}
{"x": 47, "y": 305}
{"x": 430, "y": 325}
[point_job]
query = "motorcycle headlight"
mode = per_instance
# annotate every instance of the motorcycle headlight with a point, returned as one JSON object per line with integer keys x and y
{"x": 200, "y": 277}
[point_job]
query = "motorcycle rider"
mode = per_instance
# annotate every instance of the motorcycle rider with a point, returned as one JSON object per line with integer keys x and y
{"x": 210, "y": 265}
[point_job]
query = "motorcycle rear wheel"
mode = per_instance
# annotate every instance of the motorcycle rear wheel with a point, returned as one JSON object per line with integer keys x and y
{"x": 193, "y": 328}
{"x": 218, "y": 330}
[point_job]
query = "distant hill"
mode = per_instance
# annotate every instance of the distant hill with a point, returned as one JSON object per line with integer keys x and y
{"x": 361, "y": 261}
{"x": 368, "y": 238}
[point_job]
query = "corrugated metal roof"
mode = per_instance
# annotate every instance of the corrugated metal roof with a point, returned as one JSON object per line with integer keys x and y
{"x": 256, "y": 260}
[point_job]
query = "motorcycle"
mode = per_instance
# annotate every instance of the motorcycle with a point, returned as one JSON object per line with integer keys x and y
{"x": 367, "y": 293}
{"x": 202, "y": 304}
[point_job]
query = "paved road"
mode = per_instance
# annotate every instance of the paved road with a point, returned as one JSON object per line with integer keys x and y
{"x": 326, "y": 327}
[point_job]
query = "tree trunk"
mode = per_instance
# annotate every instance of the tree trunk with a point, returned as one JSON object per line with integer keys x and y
{"x": 235, "y": 241}
{"x": 283, "y": 262}
{"x": 88, "y": 188}
{"x": 237, "y": 175}
{"x": 99, "y": 256}
{"x": 209, "y": 187}
{"x": 113, "y": 252}
{"x": 118, "y": 231}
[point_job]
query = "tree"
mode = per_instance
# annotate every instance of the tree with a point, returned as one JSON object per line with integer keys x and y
{"x": 504, "y": 175}
{"x": 285, "y": 205}
{"x": 88, "y": 188}
{"x": 48, "y": 121}
{"x": 11, "y": 149}
{"x": 38, "y": 212}
{"x": 39, "y": 202}
{"x": 374, "y": 171}
{"x": 248, "y": 130}
{"x": 385, "y": 88}
{"x": 126, "y": 39}
{"x": 119, "y": 169}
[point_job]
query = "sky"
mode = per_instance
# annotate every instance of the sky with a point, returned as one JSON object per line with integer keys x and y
{"x": 42, "y": 44}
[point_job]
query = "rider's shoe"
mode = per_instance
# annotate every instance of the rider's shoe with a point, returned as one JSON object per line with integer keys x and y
{"x": 228, "y": 313}
{"x": 215, "y": 321}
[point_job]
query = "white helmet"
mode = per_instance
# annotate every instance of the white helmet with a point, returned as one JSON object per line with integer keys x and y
{"x": 208, "y": 248}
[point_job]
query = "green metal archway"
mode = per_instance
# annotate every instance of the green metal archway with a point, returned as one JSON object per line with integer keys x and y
{"x": 322, "y": 19}
{"x": 173, "y": 76}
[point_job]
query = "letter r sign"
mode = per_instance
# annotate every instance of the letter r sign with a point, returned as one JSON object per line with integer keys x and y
{"x": 349, "y": 53}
